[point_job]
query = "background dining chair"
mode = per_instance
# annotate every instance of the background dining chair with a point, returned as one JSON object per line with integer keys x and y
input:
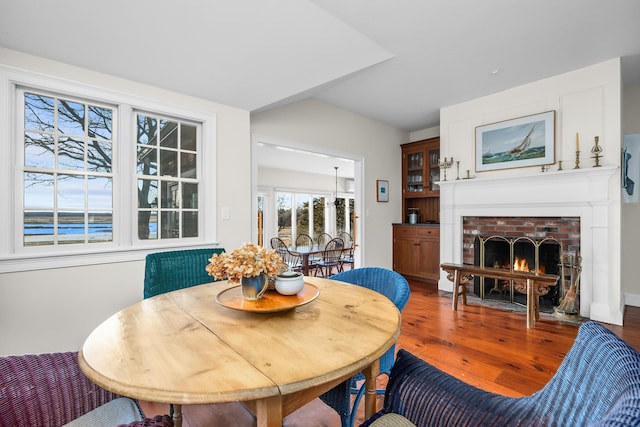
{"x": 293, "y": 261}
{"x": 304, "y": 240}
{"x": 274, "y": 242}
{"x": 322, "y": 239}
{"x": 172, "y": 270}
{"x": 331, "y": 258}
{"x": 393, "y": 286}
{"x": 347, "y": 252}
{"x": 346, "y": 237}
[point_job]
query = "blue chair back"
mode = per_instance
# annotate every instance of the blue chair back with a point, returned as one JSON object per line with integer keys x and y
{"x": 601, "y": 372}
{"x": 597, "y": 384}
{"x": 173, "y": 270}
{"x": 386, "y": 282}
{"x": 395, "y": 287}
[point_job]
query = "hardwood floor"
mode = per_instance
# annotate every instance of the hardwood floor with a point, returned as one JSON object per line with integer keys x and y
{"x": 489, "y": 348}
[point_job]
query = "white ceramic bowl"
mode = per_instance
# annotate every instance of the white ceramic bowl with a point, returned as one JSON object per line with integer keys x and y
{"x": 289, "y": 283}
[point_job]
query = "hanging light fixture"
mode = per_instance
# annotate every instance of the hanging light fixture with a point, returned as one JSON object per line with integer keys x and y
{"x": 336, "y": 202}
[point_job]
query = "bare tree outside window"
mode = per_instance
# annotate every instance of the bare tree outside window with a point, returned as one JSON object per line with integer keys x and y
{"x": 168, "y": 186}
{"x": 68, "y": 176}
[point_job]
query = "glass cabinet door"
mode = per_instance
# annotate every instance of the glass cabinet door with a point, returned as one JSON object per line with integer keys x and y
{"x": 415, "y": 172}
{"x": 434, "y": 169}
{"x": 421, "y": 170}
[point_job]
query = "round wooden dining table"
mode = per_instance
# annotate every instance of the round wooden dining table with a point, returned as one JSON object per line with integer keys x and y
{"x": 186, "y": 347}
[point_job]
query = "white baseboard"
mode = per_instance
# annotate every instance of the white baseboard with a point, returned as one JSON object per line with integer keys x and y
{"x": 632, "y": 300}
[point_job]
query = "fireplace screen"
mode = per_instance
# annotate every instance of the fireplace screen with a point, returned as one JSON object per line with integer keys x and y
{"x": 517, "y": 254}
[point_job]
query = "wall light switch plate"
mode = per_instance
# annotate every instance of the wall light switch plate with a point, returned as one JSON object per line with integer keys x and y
{"x": 225, "y": 212}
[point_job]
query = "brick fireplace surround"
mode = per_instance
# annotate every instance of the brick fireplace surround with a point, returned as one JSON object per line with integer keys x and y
{"x": 585, "y": 194}
{"x": 565, "y": 230}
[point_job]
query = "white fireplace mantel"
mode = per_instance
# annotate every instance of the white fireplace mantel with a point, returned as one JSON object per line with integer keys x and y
{"x": 585, "y": 193}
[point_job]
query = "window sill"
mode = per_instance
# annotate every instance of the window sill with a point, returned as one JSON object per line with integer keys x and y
{"x": 20, "y": 263}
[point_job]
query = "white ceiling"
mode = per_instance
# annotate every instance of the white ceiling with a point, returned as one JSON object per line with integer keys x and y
{"x": 396, "y": 61}
{"x": 279, "y": 157}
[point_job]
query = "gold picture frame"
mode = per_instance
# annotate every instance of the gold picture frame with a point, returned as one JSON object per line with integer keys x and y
{"x": 522, "y": 142}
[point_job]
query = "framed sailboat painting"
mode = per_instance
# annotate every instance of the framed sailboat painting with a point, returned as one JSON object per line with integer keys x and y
{"x": 522, "y": 142}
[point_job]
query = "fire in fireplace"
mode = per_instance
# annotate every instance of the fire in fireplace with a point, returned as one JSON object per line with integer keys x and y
{"x": 517, "y": 254}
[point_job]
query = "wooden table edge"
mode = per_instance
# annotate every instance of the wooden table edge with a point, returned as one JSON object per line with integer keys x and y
{"x": 168, "y": 396}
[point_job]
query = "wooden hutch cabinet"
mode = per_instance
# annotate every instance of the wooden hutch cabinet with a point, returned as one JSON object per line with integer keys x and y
{"x": 416, "y": 251}
{"x": 416, "y": 246}
{"x": 420, "y": 172}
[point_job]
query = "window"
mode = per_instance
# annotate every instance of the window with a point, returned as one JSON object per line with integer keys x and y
{"x": 167, "y": 160}
{"x": 318, "y": 216}
{"x": 312, "y": 215}
{"x": 344, "y": 215}
{"x": 284, "y": 215}
{"x": 68, "y": 175}
{"x": 101, "y": 171}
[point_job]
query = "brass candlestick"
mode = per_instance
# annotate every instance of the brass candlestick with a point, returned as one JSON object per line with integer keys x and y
{"x": 457, "y": 170}
{"x": 577, "y": 160}
{"x": 445, "y": 164}
{"x": 559, "y": 165}
{"x": 596, "y": 150}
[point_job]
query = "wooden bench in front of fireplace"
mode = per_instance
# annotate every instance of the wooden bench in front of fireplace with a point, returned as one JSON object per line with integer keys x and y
{"x": 532, "y": 284}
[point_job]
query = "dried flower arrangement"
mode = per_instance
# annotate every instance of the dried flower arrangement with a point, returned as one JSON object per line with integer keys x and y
{"x": 247, "y": 261}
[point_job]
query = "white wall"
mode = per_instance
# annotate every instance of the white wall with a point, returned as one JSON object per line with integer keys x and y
{"x": 587, "y": 101}
{"x": 631, "y": 211}
{"x": 315, "y": 124}
{"x": 55, "y": 309}
{"x": 427, "y": 133}
{"x": 294, "y": 180}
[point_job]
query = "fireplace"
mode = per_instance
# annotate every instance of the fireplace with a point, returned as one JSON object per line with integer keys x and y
{"x": 547, "y": 245}
{"x": 588, "y": 195}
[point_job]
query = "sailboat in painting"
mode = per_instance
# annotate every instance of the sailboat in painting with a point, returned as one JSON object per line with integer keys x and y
{"x": 526, "y": 142}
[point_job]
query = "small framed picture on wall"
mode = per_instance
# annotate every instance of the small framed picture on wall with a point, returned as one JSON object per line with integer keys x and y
{"x": 383, "y": 190}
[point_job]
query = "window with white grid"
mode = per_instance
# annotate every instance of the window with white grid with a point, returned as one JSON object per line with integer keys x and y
{"x": 98, "y": 172}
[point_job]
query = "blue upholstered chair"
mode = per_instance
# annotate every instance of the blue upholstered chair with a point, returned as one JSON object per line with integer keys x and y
{"x": 396, "y": 288}
{"x": 173, "y": 270}
{"x": 597, "y": 384}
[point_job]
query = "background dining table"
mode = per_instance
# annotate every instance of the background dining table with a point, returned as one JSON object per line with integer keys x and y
{"x": 305, "y": 253}
{"x": 185, "y": 347}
